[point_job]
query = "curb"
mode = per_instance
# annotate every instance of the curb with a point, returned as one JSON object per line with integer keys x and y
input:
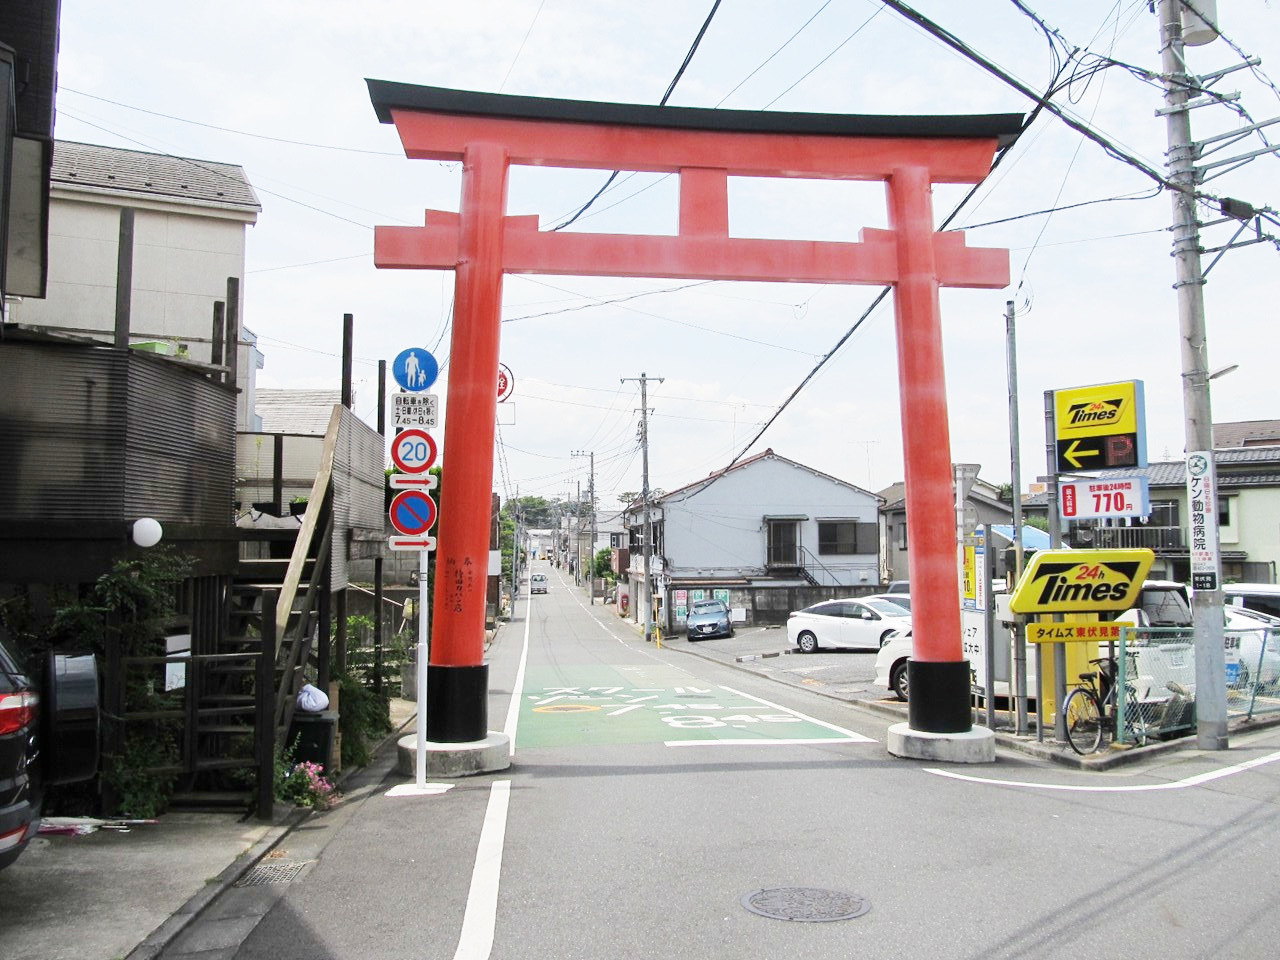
{"x": 1061, "y": 755}
{"x": 159, "y": 939}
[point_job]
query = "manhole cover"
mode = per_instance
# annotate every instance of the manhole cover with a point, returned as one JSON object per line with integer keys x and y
{"x": 809, "y": 904}
{"x": 280, "y": 871}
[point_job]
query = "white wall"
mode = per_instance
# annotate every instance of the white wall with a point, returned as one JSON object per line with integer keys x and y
{"x": 181, "y": 263}
{"x": 721, "y": 530}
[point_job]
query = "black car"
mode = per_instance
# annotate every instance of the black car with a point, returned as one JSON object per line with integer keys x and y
{"x": 49, "y": 740}
{"x": 707, "y": 619}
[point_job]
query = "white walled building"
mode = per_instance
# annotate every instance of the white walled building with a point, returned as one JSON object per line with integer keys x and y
{"x": 189, "y": 227}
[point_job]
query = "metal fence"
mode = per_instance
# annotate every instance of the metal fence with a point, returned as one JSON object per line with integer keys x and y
{"x": 1156, "y": 677}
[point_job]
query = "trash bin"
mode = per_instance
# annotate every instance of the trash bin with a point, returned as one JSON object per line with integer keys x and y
{"x": 311, "y": 737}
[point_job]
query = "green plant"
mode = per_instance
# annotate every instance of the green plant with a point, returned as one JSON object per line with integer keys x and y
{"x": 141, "y": 790}
{"x": 364, "y": 717}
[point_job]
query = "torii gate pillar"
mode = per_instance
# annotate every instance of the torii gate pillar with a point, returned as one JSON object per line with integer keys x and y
{"x": 705, "y": 148}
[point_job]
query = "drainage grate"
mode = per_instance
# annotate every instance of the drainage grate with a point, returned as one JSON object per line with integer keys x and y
{"x": 278, "y": 871}
{"x": 809, "y": 904}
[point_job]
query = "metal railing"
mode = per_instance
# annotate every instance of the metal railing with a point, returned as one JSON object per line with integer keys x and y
{"x": 1157, "y": 679}
{"x": 1151, "y": 538}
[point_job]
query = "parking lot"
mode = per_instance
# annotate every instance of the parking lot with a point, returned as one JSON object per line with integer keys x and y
{"x": 845, "y": 674}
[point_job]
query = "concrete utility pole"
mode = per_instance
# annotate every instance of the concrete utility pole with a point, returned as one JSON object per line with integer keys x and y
{"x": 1206, "y": 571}
{"x": 591, "y": 499}
{"x": 646, "y": 594}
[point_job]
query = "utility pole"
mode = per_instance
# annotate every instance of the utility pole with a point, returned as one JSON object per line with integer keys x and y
{"x": 591, "y": 500}
{"x": 646, "y": 593}
{"x": 1206, "y": 570}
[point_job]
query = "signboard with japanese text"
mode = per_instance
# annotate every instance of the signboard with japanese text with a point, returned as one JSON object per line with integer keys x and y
{"x": 1100, "y": 427}
{"x": 1113, "y": 497}
{"x": 415, "y": 410}
{"x": 1202, "y": 496}
{"x": 1075, "y": 632}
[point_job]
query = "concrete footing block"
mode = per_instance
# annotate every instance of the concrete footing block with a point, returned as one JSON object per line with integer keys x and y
{"x": 977, "y": 745}
{"x": 489, "y": 755}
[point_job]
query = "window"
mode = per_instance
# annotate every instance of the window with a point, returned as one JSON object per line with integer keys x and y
{"x": 838, "y": 536}
{"x": 1224, "y": 511}
{"x": 784, "y": 538}
{"x": 902, "y": 535}
{"x": 1164, "y": 513}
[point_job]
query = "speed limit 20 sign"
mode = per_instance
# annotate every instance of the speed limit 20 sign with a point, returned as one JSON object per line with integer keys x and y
{"x": 413, "y": 451}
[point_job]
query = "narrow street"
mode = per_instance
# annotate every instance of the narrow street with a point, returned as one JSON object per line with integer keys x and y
{"x": 652, "y": 791}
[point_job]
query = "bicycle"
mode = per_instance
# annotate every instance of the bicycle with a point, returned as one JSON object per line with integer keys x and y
{"x": 1089, "y": 711}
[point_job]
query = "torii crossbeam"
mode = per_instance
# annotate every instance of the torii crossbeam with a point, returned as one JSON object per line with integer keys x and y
{"x": 491, "y": 132}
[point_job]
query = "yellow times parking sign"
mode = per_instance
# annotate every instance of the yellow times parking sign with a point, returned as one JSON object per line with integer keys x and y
{"x": 1081, "y": 581}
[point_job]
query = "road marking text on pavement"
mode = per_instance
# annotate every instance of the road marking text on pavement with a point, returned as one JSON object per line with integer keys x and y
{"x": 609, "y": 705}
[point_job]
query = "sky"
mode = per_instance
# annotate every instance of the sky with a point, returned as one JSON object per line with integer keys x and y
{"x": 279, "y": 88}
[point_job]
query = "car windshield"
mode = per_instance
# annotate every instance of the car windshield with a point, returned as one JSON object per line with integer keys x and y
{"x": 539, "y": 576}
{"x": 1166, "y": 608}
{"x": 888, "y": 609}
{"x": 709, "y": 606}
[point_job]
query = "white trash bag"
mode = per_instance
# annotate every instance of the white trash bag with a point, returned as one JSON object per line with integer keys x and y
{"x": 312, "y": 699}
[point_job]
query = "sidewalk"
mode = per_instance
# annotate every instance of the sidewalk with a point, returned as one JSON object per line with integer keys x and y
{"x": 118, "y": 894}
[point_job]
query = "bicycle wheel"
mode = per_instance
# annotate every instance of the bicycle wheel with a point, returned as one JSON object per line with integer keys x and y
{"x": 1083, "y": 720}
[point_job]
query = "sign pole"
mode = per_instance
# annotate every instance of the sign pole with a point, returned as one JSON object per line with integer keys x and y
{"x": 424, "y": 610}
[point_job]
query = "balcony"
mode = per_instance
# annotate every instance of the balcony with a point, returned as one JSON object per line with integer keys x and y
{"x": 1159, "y": 539}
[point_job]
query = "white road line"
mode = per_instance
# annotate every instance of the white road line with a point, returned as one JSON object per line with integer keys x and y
{"x": 856, "y": 738}
{"x": 1194, "y": 781}
{"x": 853, "y": 737}
{"x": 481, "y": 918}
{"x": 517, "y": 691}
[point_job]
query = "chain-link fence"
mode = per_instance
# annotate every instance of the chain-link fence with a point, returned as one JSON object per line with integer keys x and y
{"x": 1156, "y": 677}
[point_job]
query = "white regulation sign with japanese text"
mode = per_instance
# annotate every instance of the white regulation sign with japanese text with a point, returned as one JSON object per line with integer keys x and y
{"x": 1113, "y": 497}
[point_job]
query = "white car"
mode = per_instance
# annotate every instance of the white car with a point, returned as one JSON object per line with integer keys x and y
{"x": 861, "y": 624}
{"x": 1155, "y": 663}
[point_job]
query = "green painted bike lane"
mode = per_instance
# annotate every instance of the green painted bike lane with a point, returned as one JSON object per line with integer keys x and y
{"x": 595, "y": 704}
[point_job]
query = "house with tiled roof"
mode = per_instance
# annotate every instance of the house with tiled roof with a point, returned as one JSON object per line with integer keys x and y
{"x": 168, "y": 234}
{"x": 768, "y": 535}
{"x": 1248, "y": 509}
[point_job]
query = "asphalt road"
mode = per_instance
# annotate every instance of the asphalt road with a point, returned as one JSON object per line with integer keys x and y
{"x": 651, "y": 791}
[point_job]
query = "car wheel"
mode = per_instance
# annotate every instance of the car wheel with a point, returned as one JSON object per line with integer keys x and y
{"x": 807, "y": 642}
{"x": 884, "y": 637}
{"x": 898, "y": 680}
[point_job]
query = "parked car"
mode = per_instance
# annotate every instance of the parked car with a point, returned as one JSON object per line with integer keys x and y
{"x": 538, "y": 583}
{"x": 863, "y": 623}
{"x": 707, "y": 619}
{"x": 42, "y": 741}
{"x": 1263, "y": 597}
{"x": 1154, "y": 663}
{"x": 901, "y": 599}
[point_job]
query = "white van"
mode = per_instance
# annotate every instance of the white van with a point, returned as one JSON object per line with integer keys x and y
{"x": 1263, "y": 597}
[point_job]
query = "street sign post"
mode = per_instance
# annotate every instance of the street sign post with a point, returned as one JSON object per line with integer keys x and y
{"x": 1113, "y": 497}
{"x": 415, "y": 410}
{"x": 1100, "y": 427}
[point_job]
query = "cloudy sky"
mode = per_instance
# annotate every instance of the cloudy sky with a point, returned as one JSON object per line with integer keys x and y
{"x": 278, "y": 88}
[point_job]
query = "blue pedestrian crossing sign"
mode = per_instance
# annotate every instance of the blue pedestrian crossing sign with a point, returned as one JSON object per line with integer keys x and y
{"x": 415, "y": 369}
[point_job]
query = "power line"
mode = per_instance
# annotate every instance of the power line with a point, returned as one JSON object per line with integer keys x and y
{"x": 240, "y": 133}
{"x": 662, "y": 103}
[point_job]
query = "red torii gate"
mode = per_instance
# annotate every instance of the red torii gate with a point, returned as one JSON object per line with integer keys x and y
{"x": 490, "y": 132}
